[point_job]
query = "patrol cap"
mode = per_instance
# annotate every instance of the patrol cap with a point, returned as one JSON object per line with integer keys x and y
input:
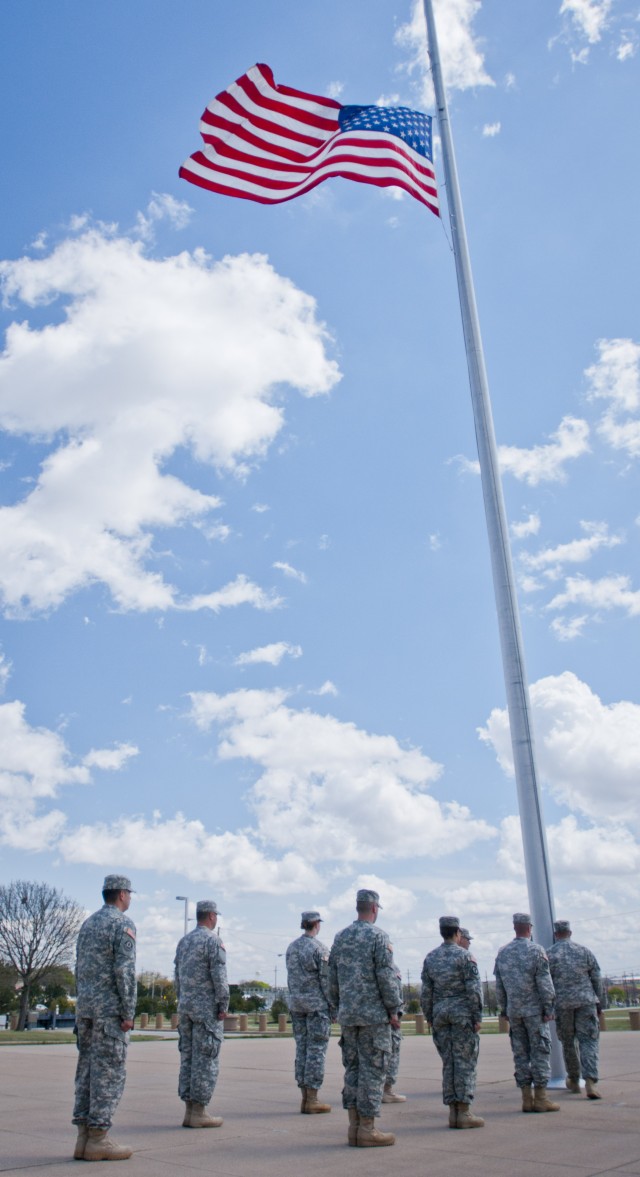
{"x": 311, "y": 917}
{"x": 466, "y": 933}
{"x": 562, "y": 926}
{"x": 204, "y": 906}
{"x": 522, "y": 917}
{"x": 366, "y": 896}
{"x": 117, "y": 883}
{"x": 449, "y": 921}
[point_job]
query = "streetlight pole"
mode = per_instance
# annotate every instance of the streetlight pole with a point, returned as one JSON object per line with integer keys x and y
{"x": 185, "y": 899}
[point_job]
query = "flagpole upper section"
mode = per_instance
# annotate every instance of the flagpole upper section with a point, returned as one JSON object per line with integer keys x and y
{"x": 531, "y": 818}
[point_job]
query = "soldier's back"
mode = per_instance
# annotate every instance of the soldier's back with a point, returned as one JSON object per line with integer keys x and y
{"x": 572, "y": 966}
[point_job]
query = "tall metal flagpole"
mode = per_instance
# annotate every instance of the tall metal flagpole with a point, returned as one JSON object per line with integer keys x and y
{"x": 519, "y": 707}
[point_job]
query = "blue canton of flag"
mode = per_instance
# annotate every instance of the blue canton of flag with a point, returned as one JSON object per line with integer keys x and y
{"x": 411, "y": 126}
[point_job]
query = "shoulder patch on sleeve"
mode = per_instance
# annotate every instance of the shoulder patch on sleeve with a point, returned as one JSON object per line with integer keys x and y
{"x": 130, "y": 932}
{"x": 472, "y": 957}
{"x": 389, "y": 946}
{"x": 223, "y": 946}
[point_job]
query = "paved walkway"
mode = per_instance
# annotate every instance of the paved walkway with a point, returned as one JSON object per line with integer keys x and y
{"x": 264, "y": 1133}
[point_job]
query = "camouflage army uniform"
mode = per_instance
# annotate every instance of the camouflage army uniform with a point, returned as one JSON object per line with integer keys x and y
{"x": 451, "y": 1000}
{"x": 203, "y": 994}
{"x": 106, "y": 996}
{"x": 364, "y": 988}
{"x": 308, "y": 981}
{"x": 577, "y": 980}
{"x": 525, "y": 994}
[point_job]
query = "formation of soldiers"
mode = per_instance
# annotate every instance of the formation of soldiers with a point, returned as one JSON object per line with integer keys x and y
{"x": 356, "y": 983}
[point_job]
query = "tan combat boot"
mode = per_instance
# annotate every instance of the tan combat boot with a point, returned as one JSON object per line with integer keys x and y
{"x": 370, "y": 1137}
{"x": 200, "y": 1118}
{"x": 453, "y": 1115}
{"x": 390, "y": 1096}
{"x": 572, "y": 1084}
{"x": 303, "y": 1099}
{"x": 527, "y": 1099}
{"x": 466, "y": 1118}
{"x": 313, "y": 1106}
{"x": 592, "y": 1090}
{"x": 100, "y": 1147}
{"x": 81, "y": 1142}
{"x": 354, "y": 1123}
{"x": 541, "y": 1101}
{"x": 188, "y": 1108}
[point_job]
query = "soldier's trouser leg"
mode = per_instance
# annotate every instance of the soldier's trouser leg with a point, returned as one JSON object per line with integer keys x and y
{"x": 538, "y": 1036}
{"x": 185, "y": 1046}
{"x": 458, "y": 1046}
{"x": 394, "y": 1058}
{"x": 318, "y": 1034}
{"x": 565, "y": 1026}
{"x": 588, "y": 1034}
{"x": 365, "y": 1057}
{"x": 203, "y": 1041}
{"x": 100, "y": 1072}
{"x": 531, "y": 1046}
{"x": 299, "y": 1027}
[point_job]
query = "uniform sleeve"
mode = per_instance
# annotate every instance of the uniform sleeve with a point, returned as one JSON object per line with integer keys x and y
{"x": 544, "y": 985}
{"x": 334, "y": 989}
{"x": 218, "y": 973}
{"x": 595, "y": 976}
{"x": 473, "y": 986}
{"x": 322, "y": 965}
{"x": 501, "y": 993}
{"x": 387, "y": 975}
{"x": 124, "y": 968}
{"x": 176, "y": 975}
{"x": 426, "y": 995}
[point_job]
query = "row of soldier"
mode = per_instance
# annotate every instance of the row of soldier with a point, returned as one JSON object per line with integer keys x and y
{"x": 356, "y": 983}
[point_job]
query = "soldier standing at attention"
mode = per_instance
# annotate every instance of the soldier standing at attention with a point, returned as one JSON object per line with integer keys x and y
{"x": 364, "y": 988}
{"x": 452, "y": 1003}
{"x": 577, "y": 980}
{"x": 105, "y": 1009}
{"x": 203, "y": 1000}
{"x": 389, "y": 1095}
{"x": 465, "y": 938}
{"x": 525, "y": 995}
{"x": 308, "y": 981}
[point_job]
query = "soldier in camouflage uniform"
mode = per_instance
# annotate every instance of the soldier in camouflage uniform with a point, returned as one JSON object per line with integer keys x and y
{"x": 364, "y": 988}
{"x": 465, "y": 938}
{"x": 389, "y": 1095}
{"x": 577, "y": 980}
{"x": 311, "y": 1015}
{"x": 525, "y": 995}
{"x": 105, "y": 1009}
{"x": 203, "y": 1000}
{"x": 452, "y": 1004}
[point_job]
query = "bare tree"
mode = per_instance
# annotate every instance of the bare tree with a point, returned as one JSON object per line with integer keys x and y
{"x": 38, "y": 928}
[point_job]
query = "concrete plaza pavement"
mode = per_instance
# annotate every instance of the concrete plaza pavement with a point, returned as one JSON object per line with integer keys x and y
{"x": 264, "y": 1133}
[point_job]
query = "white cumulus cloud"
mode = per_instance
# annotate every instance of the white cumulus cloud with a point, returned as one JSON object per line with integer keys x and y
{"x": 137, "y": 358}
{"x": 462, "y": 59}
{"x": 331, "y": 789}
{"x": 272, "y": 654}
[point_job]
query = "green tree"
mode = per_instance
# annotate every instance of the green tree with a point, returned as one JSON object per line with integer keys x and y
{"x": 38, "y": 930}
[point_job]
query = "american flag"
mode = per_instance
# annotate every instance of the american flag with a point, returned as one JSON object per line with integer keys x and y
{"x": 270, "y": 143}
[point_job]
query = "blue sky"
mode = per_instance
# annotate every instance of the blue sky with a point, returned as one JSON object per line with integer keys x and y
{"x": 248, "y": 638}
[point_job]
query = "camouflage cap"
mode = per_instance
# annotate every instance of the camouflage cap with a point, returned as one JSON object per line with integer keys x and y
{"x": 366, "y": 896}
{"x": 562, "y": 926}
{"x": 204, "y": 906}
{"x": 466, "y": 933}
{"x": 521, "y": 917}
{"x": 117, "y": 883}
{"x": 449, "y": 921}
{"x": 311, "y": 917}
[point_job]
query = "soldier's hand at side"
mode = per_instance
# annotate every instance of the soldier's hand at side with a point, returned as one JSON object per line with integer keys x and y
{"x": 222, "y": 1015}
{"x": 598, "y": 1008}
{"x": 548, "y": 1018}
{"x": 476, "y": 1026}
{"x": 126, "y": 1024}
{"x": 395, "y": 1021}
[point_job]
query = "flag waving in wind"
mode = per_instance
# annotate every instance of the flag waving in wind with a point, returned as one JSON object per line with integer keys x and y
{"x": 270, "y": 143}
